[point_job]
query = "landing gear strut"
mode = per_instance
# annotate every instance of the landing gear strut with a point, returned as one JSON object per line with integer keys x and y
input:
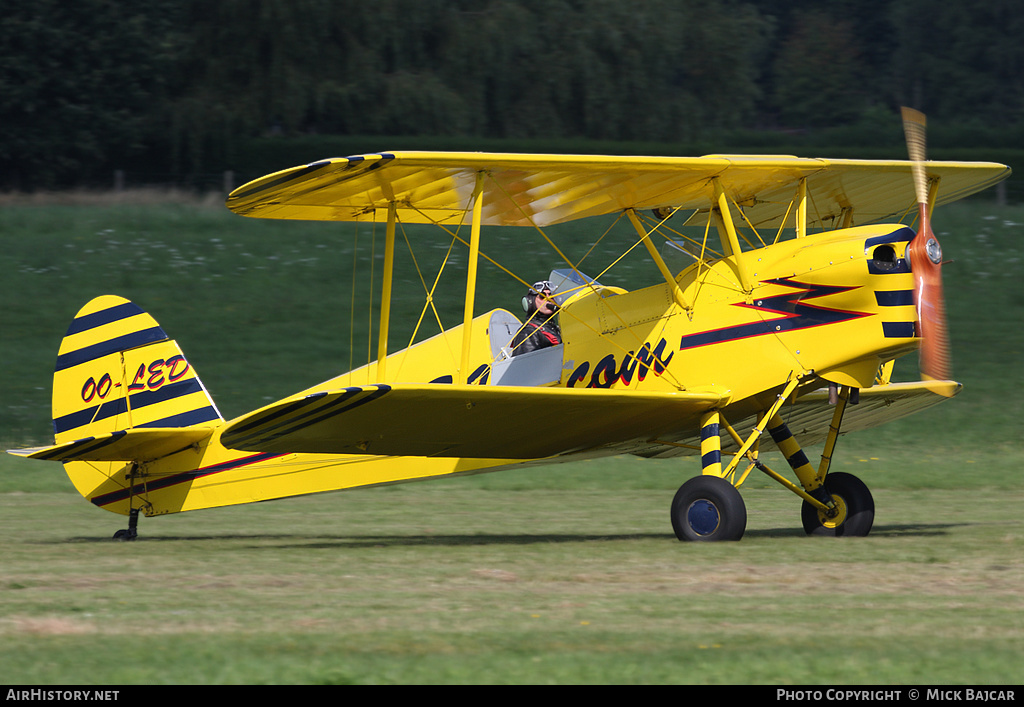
{"x": 709, "y": 507}
{"x": 835, "y": 504}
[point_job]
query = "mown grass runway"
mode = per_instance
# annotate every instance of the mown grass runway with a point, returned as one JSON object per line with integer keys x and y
{"x": 454, "y": 583}
{"x": 562, "y": 574}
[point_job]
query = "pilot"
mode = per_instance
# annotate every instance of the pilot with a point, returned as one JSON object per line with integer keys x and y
{"x": 541, "y": 330}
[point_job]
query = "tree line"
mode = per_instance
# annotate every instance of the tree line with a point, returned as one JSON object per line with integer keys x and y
{"x": 179, "y": 85}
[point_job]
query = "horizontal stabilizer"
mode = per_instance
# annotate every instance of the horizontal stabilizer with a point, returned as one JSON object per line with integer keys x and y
{"x": 138, "y": 445}
{"x": 479, "y": 422}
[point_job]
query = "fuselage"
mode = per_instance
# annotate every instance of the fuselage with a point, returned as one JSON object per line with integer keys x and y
{"x": 830, "y": 307}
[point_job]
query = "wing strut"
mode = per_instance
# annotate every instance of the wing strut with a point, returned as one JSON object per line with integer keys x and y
{"x": 385, "y": 295}
{"x": 474, "y": 257}
{"x": 677, "y": 291}
{"x": 727, "y": 234}
{"x": 801, "y": 208}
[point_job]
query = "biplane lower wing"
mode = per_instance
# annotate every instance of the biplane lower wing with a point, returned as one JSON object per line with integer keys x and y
{"x": 810, "y": 416}
{"x": 464, "y": 421}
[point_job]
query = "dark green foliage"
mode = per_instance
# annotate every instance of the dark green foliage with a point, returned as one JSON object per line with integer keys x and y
{"x": 81, "y": 85}
{"x": 176, "y": 90}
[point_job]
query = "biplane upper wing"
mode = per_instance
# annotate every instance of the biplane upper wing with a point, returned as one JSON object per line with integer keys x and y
{"x": 540, "y": 190}
{"x": 463, "y": 421}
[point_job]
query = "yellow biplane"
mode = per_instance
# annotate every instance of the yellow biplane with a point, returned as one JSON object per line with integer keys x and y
{"x": 784, "y": 289}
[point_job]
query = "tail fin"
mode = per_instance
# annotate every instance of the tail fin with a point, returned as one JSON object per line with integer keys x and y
{"x": 123, "y": 394}
{"x": 117, "y": 370}
{"x": 122, "y": 390}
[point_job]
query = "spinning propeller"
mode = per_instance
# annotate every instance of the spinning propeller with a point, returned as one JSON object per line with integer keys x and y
{"x": 926, "y": 263}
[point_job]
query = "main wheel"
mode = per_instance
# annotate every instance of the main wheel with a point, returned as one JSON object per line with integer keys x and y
{"x": 855, "y": 509}
{"x": 708, "y": 508}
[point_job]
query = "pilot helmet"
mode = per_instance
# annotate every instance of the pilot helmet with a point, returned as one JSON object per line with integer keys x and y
{"x": 529, "y": 299}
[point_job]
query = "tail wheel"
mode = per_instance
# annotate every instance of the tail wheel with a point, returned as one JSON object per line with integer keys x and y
{"x": 708, "y": 508}
{"x": 855, "y": 509}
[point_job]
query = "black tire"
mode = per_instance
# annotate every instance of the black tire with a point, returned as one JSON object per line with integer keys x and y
{"x": 707, "y": 509}
{"x": 856, "y": 509}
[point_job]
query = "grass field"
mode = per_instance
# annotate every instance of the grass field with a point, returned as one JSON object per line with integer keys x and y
{"x": 563, "y": 574}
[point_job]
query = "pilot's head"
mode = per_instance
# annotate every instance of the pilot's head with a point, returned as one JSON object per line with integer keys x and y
{"x": 538, "y": 299}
